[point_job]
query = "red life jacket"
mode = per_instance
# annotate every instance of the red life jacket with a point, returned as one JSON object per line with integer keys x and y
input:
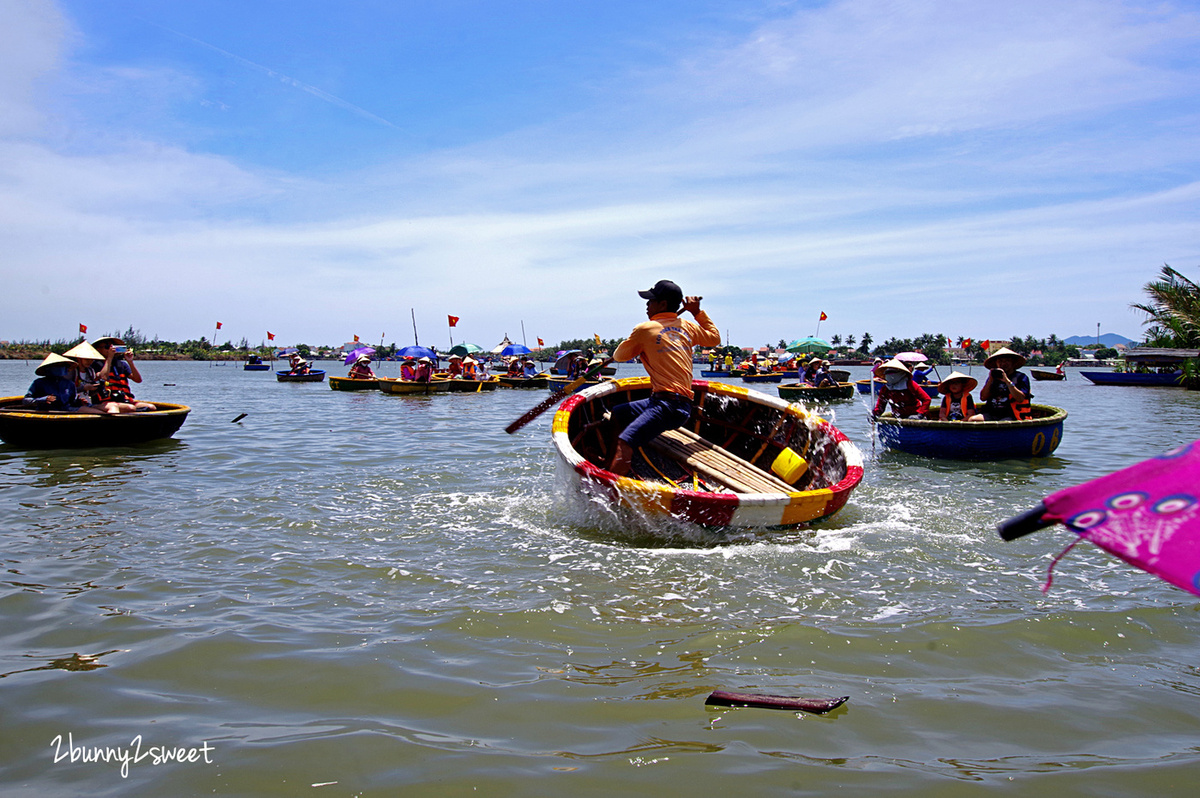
{"x": 115, "y": 387}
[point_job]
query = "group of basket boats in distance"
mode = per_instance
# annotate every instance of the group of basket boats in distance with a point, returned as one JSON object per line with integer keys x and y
{"x": 745, "y": 459}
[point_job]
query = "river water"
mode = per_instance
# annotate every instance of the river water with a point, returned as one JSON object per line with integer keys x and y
{"x": 365, "y": 594}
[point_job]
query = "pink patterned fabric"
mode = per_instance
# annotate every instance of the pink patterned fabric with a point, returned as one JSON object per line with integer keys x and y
{"x": 1147, "y": 514}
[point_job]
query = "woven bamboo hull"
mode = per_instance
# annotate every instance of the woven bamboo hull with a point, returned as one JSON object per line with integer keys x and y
{"x": 57, "y": 430}
{"x": 540, "y": 381}
{"x": 776, "y": 376}
{"x": 350, "y": 384}
{"x": 975, "y": 440}
{"x": 473, "y": 386}
{"x": 413, "y": 388}
{"x": 750, "y": 426}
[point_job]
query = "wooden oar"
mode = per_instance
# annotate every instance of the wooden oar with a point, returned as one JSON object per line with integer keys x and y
{"x": 556, "y": 397}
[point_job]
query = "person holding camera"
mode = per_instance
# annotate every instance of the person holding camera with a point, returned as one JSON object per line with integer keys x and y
{"x": 1006, "y": 392}
{"x": 115, "y": 395}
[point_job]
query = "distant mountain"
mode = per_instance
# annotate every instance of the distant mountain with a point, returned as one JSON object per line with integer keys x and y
{"x": 1108, "y": 339}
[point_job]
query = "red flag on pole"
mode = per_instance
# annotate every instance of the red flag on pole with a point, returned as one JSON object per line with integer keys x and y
{"x": 218, "y": 325}
{"x": 453, "y": 320}
{"x": 83, "y": 329}
{"x": 541, "y": 342}
{"x": 356, "y": 339}
{"x": 986, "y": 345}
{"x": 966, "y": 343}
{"x": 823, "y": 316}
{"x": 270, "y": 336}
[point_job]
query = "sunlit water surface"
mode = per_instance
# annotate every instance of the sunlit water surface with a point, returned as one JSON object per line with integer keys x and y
{"x": 349, "y": 594}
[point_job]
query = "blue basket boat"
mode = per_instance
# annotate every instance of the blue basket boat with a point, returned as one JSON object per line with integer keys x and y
{"x": 975, "y": 440}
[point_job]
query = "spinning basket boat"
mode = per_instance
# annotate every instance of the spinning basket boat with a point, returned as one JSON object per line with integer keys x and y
{"x": 744, "y": 460}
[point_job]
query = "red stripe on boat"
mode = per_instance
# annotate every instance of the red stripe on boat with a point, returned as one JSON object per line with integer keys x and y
{"x": 710, "y": 509}
{"x": 570, "y": 402}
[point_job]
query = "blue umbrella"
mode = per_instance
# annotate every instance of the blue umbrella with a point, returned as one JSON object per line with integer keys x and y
{"x": 515, "y": 349}
{"x": 357, "y": 353}
{"x": 418, "y": 352}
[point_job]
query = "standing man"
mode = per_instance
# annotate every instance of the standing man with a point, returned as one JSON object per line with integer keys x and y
{"x": 664, "y": 343}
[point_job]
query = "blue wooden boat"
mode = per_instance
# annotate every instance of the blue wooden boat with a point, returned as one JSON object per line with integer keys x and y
{"x": 770, "y": 376}
{"x": 716, "y": 373}
{"x": 556, "y": 384}
{"x": 864, "y": 386}
{"x": 1148, "y": 358}
{"x": 975, "y": 440}
{"x": 312, "y": 376}
{"x": 1169, "y": 380}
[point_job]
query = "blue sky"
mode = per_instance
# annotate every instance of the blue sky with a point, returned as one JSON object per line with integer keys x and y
{"x": 319, "y": 169}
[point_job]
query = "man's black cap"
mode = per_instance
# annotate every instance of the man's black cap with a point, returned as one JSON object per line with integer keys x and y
{"x": 664, "y": 291}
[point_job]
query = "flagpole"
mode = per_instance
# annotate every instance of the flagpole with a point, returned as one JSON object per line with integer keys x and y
{"x": 524, "y": 343}
{"x": 414, "y": 319}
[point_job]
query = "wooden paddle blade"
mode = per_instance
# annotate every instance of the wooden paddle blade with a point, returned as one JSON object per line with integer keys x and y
{"x": 556, "y": 397}
{"x": 1026, "y": 523}
{"x": 725, "y": 698}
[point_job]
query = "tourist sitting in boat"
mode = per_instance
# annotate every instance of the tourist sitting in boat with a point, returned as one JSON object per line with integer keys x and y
{"x": 957, "y": 404}
{"x": 468, "y": 371}
{"x": 921, "y": 374}
{"x": 808, "y": 371}
{"x": 823, "y": 379}
{"x": 115, "y": 374}
{"x": 408, "y": 368}
{"x": 664, "y": 344}
{"x": 361, "y": 370}
{"x": 906, "y": 397}
{"x": 876, "y": 365}
{"x": 54, "y": 388}
{"x": 514, "y": 367}
{"x": 297, "y": 364}
{"x": 254, "y": 360}
{"x": 1006, "y": 393}
{"x": 482, "y": 369}
{"x": 576, "y": 366}
{"x": 424, "y": 372}
{"x": 455, "y": 367}
{"x": 87, "y": 370}
{"x": 529, "y": 368}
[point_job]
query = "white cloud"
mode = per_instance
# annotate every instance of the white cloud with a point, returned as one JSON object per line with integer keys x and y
{"x": 888, "y": 163}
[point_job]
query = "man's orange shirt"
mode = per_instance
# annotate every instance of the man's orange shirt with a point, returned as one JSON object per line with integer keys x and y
{"x": 665, "y": 345}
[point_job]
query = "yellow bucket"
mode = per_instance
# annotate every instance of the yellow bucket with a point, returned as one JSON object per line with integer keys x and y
{"x": 789, "y": 465}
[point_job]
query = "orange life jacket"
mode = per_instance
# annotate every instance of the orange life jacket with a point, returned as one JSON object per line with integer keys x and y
{"x": 966, "y": 406}
{"x": 468, "y": 371}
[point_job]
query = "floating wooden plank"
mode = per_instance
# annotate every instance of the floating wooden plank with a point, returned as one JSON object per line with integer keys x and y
{"x": 725, "y": 698}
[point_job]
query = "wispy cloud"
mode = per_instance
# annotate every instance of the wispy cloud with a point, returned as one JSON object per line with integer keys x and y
{"x": 287, "y": 80}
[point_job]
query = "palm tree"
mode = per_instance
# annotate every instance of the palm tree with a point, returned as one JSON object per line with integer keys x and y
{"x": 1174, "y": 310}
{"x": 866, "y": 342}
{"x": 850, "y": 342}
{"x": 836, "y": 341}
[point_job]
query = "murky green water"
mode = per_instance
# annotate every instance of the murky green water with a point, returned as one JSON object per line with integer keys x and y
{"x": 349, "y": 594}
